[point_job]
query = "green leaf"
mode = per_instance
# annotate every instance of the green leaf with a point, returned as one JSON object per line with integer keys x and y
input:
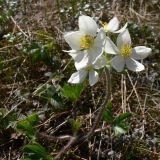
{"x": 122, "y": 117}
{"x": 35, "y": 152}
{"x": 108, "y": 115}
{"x": 37, "y": 157}
{"x": 35, "y": 148}
{"x": 33, "y": 119}
{"x": 56, "y": 102}
{"x": 72, "y": 92}
{"x": 26, "y": 127}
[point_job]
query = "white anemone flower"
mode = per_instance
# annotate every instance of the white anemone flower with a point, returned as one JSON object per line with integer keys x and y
{"x": 113, "y": 25}
{"x": 125, "y": 54}
{"x": 80, "y": 75}
{"x": 87, "y": 44}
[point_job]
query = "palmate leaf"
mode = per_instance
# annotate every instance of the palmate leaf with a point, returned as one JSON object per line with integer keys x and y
{"x": 108, "y": 117}
{"x": 36, "y": 152}
{"x": 34, "y": 148}
{"x": 33, "y": 119}
{"x": 27, "y": 125}
{"x": 37, "y": 157}
{"x": 120, "y": 127}
{"x": 56, "y": 102}
{"x": 107, "y": 114}
{"x": 122, "y": 117}
{"x": 72, "y": 92}
{"x": 117, "y": 122}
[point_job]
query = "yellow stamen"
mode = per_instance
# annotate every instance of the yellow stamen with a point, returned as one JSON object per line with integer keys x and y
{"x": 126, "y": 50}
{"x": 105, "y": 26}
{"x": 89, "y": 68}
{"x": 86, "y": 42}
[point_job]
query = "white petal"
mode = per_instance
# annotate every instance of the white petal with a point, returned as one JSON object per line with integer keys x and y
{"x": 69, "y": 51}
{"x": 76, "y": 55}
{"x": 72, "y": 53}
{"x": 97, "y": 50}
{"x": 93, "y": 77}
{"x": 140, "y": 52}
{"x": 123, "y": 38}
{"x": 100, "y": 38}
{"x": 113, "y": 24}
{"x": 73, "y": 39}
{"x": 118, "y": 63}
{"x": 82, "y": 61}
{"x": 87, "y": 25}
{"x": 134, "y": 65}
{"x": 122, "y": 29}
{"x": 110, "y": 47}
{"x": 94, "y": 53}
{"x": 99, "y": 63}
{"x": 78, "y": 77}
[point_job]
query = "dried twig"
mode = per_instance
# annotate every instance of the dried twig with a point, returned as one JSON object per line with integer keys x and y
{"x": 53, "y": 138}
{"x": 66, "y": 147}
{"x": 19, "y": 28}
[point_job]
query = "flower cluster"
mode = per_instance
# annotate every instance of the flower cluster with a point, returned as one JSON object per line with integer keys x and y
{"x": 90, "y": 43}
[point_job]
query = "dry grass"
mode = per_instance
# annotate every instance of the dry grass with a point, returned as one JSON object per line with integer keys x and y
{"x": 136, "y": 93}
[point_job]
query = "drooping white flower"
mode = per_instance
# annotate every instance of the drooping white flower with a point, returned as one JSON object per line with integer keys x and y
{"x": 80, "y": 75}
{"x": 125, "y": 54}
{"x": 113, "y": 25}
{"x": 87, "y": 43}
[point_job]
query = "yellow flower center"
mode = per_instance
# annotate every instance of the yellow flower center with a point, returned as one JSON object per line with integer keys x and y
{"x": 105, "y": 26}
{"x": 89, "y": 68}
{"x": 126, "y": 50}
{"x": 86, "y": 42}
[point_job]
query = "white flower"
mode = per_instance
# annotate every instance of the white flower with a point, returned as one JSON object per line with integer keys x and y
{"x": 87, "y": 45}
{"x": 80, "y": 75}
{"x": 125, "y": 54}
{"x": 113, "y": 25}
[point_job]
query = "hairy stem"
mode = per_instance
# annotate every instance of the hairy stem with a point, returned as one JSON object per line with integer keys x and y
{"x": 102, "y": 107}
